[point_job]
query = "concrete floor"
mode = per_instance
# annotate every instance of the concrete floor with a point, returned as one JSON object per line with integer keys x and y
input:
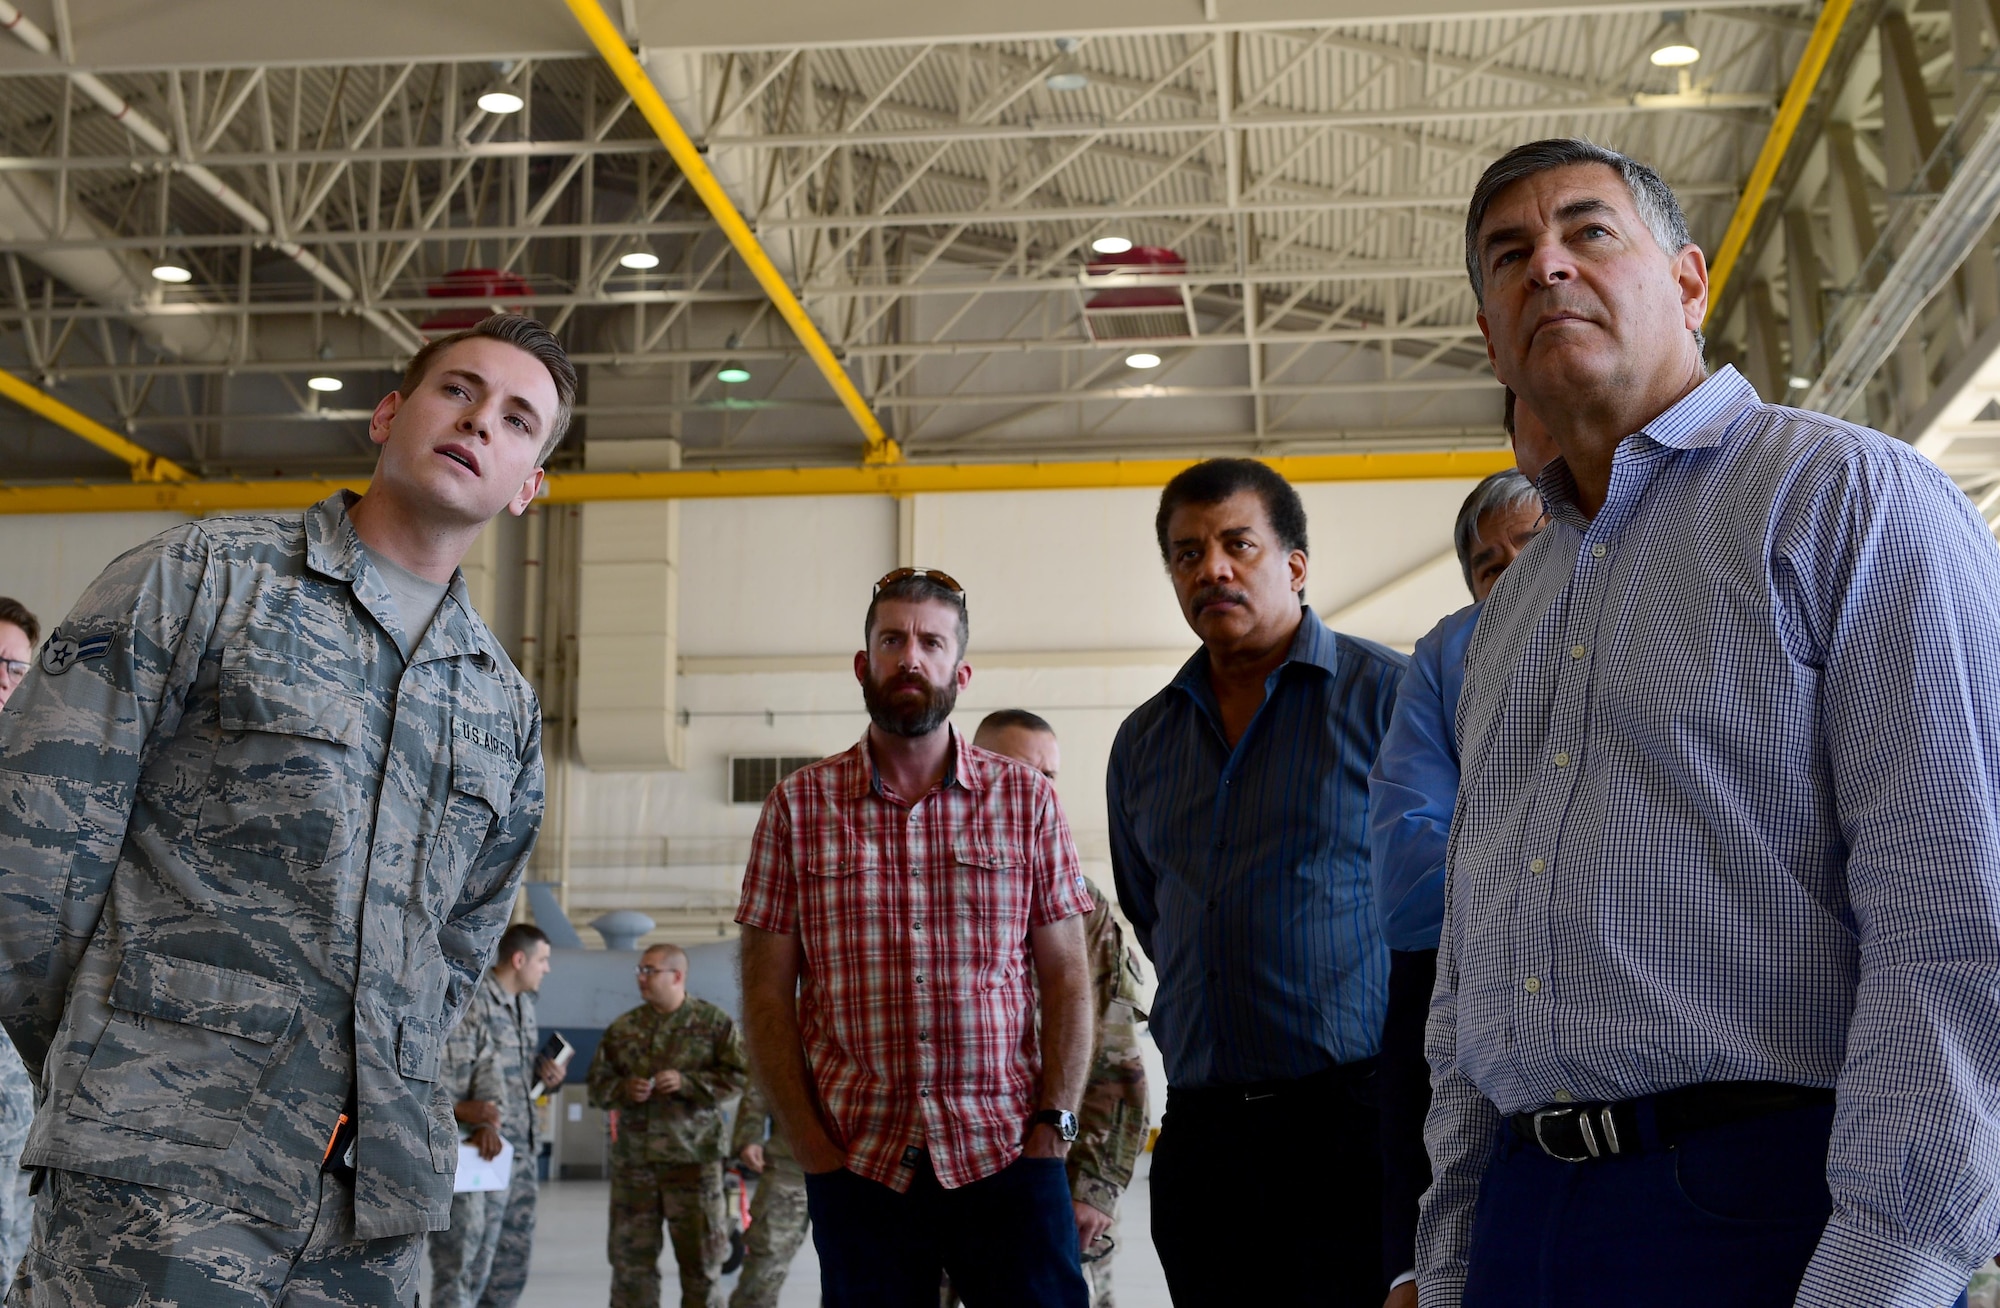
{"x": 569, "y": 1269}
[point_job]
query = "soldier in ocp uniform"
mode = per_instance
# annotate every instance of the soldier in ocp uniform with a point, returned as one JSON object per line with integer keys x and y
{"x": 1111, "y": 1125}
{"x": 778, "y": 1221}
{"x": 668, "y": 1069}
{"x": 265, "y": 802}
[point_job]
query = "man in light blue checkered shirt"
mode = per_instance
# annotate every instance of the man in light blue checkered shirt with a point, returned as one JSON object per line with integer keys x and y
{"x": 1718, "y": 1009}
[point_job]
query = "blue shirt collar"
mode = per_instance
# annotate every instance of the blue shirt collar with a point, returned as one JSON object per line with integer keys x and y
{"x": 1700, "y": 420}
{"x": 1315, "y": 643}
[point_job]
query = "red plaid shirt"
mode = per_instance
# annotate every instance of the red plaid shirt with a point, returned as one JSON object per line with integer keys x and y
{"x": 917, "y": 995}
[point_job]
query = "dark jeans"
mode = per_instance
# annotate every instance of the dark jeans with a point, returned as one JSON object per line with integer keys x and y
{"x": 1727, "y": 1218}
{"x": 1405, "y": 1082}
{"x": 1274, "y": 1200}
{"x": 1008, "y": 1240}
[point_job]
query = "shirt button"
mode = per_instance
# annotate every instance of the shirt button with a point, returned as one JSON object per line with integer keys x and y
{"x": 917, "y": 925}
{"x": 1213, "y": 974}
{"x": 1538, "y": 865}
{"x": 923, "y": 1035}
{"x": 1533, "y": 985}
{"x": 1597, "y": 551}
{"x": 1577, "y": 651}
{"x": 1211, "y": 906}
{"x": 925, "y": 1092}
{"x": 1564, "y": 1097}
{"x": 1562, "y": 758}
{"x": 920, "y": 978}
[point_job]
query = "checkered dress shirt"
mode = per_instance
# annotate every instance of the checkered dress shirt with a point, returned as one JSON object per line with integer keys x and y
{"x": 917, "y": 996}
{"x": 1731, "y": 811}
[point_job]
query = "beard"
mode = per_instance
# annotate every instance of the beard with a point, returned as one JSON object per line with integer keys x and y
{"x": 907, "y": 716}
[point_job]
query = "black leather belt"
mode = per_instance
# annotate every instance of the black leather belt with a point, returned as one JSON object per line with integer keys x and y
{"x": 1583, "y": 1133}
{"x": 1254, "y": 1093}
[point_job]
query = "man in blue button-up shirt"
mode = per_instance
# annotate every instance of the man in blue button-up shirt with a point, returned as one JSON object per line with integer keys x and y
{"x": 1239, "y": 806}
{"x": 1412, "y": 791}
{"x": 1719, "y": 985}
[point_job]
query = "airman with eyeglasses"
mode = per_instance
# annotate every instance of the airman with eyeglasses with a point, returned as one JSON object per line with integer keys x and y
{"x": 18, "y": 633}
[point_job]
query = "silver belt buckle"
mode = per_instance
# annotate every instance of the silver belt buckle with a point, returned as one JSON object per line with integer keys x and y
{"x": 1543, "y": 1114}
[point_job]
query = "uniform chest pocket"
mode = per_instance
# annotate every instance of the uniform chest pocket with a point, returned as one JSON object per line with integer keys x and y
{"x": 481, "y": 783}
{"x": 841, "y": 886}
{"x": 285, "y": 760}
{"x": 186, "y": 1048}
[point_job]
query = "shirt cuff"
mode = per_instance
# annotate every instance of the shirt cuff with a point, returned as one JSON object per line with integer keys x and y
{"x": 1852, "y": 1268}
{"x": 1404, "y": 1279}
{"x": 1097, "y": 1192}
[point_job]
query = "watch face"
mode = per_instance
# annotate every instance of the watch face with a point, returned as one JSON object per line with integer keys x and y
{"x": 1066, "y": 1125}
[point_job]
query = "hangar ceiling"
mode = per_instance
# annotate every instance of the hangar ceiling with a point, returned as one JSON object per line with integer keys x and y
{"x": 326, "y": 178}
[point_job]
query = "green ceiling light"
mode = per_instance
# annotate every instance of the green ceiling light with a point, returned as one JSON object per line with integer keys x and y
{"x": 732, "y": 373}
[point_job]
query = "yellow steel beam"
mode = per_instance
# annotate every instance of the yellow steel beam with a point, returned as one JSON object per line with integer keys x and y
{"x": 877, "y": 479}
{"x": 604, "y": 35}
{"x": 1819, "y": 47}
{"x": 145, "y": 465}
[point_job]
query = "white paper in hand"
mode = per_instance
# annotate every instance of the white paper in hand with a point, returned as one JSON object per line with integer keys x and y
{"x": 476, "y": 1174}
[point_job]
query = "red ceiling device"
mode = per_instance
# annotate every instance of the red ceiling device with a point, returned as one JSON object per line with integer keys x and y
{"x": 1118, "y": 313}
{"x": 502, "y": 291}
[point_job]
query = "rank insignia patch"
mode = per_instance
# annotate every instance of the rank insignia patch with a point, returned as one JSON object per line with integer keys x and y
{"x": 64, "y": 652}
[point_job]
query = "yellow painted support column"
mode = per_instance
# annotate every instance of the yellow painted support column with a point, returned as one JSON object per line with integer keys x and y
{"x": 145, "y": 465}
{"x": 1791, "y": 110}
{"x": 877, "y": 479}
{"x": 625, "y": 67}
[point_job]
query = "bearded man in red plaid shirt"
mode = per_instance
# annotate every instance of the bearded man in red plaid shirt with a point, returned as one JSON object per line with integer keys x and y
{"x": 905, "y": 903}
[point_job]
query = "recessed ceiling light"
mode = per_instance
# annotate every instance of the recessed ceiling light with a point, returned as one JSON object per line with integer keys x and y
{"x": 1142, "y": 360}
{"x": 733, "y": 374}
{"x": 328, "y": 384}
{"x": 1111, "y": 245}
{"x": 1800, "y": 383}
{"x": 502, "y": 102}
{"x": 639, "y": 260}
{"x": 171, "y": 272}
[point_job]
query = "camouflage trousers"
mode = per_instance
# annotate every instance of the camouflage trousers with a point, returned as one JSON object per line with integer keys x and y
{"x": 462, "y": 1256}
{"x": 688, "y": 1201}
{"x": 100, "y": 1243}
{"x": 17, "y": 1209}
{"x": 1097, "y": 1275}
{"x": 516, "y": 1240}
{"x": 777, "y": 1229}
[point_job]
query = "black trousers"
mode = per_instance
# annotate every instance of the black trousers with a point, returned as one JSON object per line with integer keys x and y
{"x": 1406, "y": 1100}
{"x": 1274, "y": 1199}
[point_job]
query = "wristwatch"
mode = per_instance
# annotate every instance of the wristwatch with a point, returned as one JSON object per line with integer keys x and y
{"x": 1061, "y": 1119}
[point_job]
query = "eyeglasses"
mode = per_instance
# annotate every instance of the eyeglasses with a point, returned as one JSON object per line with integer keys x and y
{"x": 14, "y": 668}
{"x": 644, "y": 970}
{"x": 1101, "y": 1247}
{"x": 943, "y": 579}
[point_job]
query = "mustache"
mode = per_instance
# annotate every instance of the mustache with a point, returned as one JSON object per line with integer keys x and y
{"x": 1210, "y": 594}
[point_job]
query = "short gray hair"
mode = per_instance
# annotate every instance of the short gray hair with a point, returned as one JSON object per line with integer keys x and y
{"x": 1651, "y": 197}
{"x": 1505, "y": 489}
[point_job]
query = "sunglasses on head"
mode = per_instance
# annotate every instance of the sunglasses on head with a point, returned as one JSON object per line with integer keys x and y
{"x": 943, "y": 579}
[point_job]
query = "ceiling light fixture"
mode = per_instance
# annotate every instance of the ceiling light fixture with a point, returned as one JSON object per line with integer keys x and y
{"x": 732, "y": 373}
{"x": 1142, "y": 360}
{"x": 1800, "y": 383}
{"x": 1066, "y": 73}
{"x": 639, "y": 260}
{"x": 171, "y": 272}
{"x": 501, "y": 101}
{"x": 1672, "y": 48}
{"x": 1111, "y": 244}
{"x": 326, "y": 384}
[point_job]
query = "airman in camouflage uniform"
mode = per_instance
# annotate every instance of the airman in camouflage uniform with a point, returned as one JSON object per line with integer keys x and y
{"x": 462, "y": 1253}
{"x": 778, "y": 1213}
{"x": 254, "y": 853}
{"x": 505, "y": 1004}
{"x": 1111, "y": 1128}
{"x": 17, "y": 1110}
{"x": 668, "y": 1068}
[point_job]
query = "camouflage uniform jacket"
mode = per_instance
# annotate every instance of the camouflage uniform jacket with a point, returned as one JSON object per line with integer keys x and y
{"x": 755, "y": 1125}
{"x": 254, "y": 860}
{"x": 699, "y": 1041}
{"x": 470, "y": 1068}
{"x": 1111, "y": 1129}
{"x": 515, "y": 1037}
